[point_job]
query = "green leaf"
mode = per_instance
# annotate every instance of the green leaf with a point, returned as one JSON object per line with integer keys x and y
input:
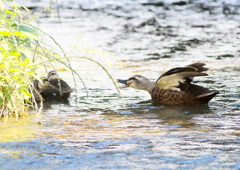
{"x": 24, "y": 41}
{"x": 8, "y": 96}
{"x": 1, "y": 101}
{"x": 27, "y": 29}
{"x": 26, "y": 34}
{"x": 23, "y": 56}
{"x": 18, "y": 33}
{"x": 14, "y": 25}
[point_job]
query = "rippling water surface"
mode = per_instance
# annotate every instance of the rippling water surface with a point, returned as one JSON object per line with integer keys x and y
{"x": 101, "y": 131}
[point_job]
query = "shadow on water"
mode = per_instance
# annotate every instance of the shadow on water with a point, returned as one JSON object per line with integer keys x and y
{"x": 172, "y": 115}
{"x": 47, "y": 105}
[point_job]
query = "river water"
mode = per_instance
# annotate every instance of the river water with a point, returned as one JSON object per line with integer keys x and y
{"x": 97, "y": 129}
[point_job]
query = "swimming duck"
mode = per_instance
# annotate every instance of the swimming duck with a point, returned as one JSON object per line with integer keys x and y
{"x": 59, "y": 84}
{"x": 174, "y": 87}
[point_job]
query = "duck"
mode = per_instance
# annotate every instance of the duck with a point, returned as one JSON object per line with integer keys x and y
{"x": 63, "y": 88}
{"x": 175, "y": 86}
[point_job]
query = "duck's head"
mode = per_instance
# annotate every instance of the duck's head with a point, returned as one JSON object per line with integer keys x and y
{"x": 45, "y": 82}
{"x": 41, "y": 84}
{"x": 52, "y": 75}
{"x": 137, "y": 82}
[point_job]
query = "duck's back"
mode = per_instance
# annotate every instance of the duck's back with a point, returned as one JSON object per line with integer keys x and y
{"x": 171, "y": 97}
{"x": 189, "y": 94}
{"x": 65, "y": 88}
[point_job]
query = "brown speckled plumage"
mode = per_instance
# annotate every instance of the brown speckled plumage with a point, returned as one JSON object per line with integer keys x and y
{"x": 164, "y": 96}
{"x": 172, "y": 97}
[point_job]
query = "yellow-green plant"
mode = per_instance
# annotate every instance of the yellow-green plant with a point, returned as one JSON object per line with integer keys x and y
{"x": 16, "y": 67}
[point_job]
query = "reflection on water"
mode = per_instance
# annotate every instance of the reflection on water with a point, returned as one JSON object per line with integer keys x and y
{"x": 100, "y": 131}
{"x": 135, "y": 137}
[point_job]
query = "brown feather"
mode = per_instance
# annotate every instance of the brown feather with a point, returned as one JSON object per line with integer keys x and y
{"x": 191, "y": 74}
{"x": 199, "y": 66}
{"x": 171, "y": 97}
{"x": 180, "y": 75}
{"x": 64, "y": 86}
{"x": 178, "y": 70}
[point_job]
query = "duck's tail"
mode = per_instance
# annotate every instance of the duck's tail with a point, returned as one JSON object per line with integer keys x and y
{"x": 206, "y": 97}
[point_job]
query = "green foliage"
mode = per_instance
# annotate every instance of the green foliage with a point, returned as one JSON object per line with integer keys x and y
{"x": 17, "y": 69}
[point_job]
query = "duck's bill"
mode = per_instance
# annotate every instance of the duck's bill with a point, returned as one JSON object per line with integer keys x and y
{"x": 123, "y": 82}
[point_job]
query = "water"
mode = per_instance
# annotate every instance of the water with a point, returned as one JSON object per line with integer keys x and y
{"x": 100, "y": 131}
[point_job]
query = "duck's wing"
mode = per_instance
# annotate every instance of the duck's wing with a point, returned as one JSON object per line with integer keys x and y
{"x": 173, "y": 78}
{"x": 178, "y": 70}
{"x": 199, "y": 66}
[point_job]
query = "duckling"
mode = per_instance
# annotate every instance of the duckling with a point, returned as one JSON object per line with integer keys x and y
{"x": 174, "y": 87}
{"x": 59, "y": 84}
{"x": 44, "y": 90}
{"x": 41, "y": 85}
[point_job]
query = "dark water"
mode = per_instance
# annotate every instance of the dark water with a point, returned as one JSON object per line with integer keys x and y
{"x": 100, "y": 131}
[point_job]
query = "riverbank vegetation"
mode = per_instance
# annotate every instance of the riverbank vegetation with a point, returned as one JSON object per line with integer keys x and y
{"x": 18, "y": 50}
{"x": 21, "y": 55}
